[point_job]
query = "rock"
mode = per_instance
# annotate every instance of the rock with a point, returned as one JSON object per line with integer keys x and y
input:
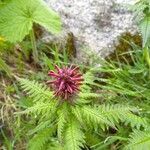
{"x": 96, "y": 24}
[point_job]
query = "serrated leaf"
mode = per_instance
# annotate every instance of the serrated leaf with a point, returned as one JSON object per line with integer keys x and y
{"x": 18, "y": 16}
{"x": 40, "y": 139}
{"x": 62, "y": 113}
{"x": 139, "y": 140}
{"x": 38, "y": 92}
{"x": 74, "y": 136}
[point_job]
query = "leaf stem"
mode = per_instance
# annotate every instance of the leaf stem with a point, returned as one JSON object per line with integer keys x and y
{"x": 34, "y": 47}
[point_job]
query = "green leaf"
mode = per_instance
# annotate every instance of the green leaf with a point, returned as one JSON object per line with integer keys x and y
{"x": 40, "y": 139}
{"x": 120, "y": 113}
{"x": 62, "y": 119}
{"x": 145, "y": 30}
{"x": 54, "y": 145}
{"x": 18, "y": 16}
{"x": 89, "y": 95}
{"x": 35, "y": 90}
{"x": 74, "y": 137}
{"x": 43, "y": 125}
{"x": 4, "y": 67}
{"x": 44, "y": 109}
{"x": 139, "y": 140}
{"x": 94, "y": 116}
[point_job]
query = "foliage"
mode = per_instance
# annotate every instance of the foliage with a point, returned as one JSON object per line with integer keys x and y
{"x": 4, "y": 67}
{"x": 142, "y": 11}
{"x": 110, "y": 112}
{"x": 18, "y": 16}
{"x": 129, "y": 81}
{"x": 70, "y": 120}
{"x": 139, "y": 140}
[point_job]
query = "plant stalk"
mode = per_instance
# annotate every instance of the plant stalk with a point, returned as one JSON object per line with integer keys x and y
{"x": 34, "y": 47}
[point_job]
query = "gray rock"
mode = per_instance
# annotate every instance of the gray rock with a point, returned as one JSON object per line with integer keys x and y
{"x": 96, "y": 24}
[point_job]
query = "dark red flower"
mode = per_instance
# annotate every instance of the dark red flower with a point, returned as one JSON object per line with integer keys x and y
{"x": 67, "y": 81}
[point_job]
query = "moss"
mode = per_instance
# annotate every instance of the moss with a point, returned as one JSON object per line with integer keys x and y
{"x": 70, "y": 46}
{"x": 125, "y": 46}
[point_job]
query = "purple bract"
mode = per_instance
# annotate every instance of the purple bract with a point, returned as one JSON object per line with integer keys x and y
{"x": 67, "y": 81}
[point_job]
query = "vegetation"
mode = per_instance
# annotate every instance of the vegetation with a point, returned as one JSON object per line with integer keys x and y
{"x": 50, "y": 103}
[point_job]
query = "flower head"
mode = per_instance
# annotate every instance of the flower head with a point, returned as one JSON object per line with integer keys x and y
{"x": 67, "y": 81}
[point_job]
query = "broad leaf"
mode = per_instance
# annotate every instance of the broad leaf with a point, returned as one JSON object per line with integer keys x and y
{"x": 18, "y": 16}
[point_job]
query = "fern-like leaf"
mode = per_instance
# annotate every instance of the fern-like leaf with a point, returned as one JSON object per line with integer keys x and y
{"x": 40, "y": 139}
{"x": 45, "y": 110}
{"x": 139, "y": 140}
{"x": 62, "y": 119}
{"x": 89, "y": 78}
{"x": 117, "y": 113}
{"x": 93, "y": 115}
{"x": 36, "y": 91}
{"x": 41, "y": 126}
{"x": 54, "y": 145}
{"x": 89, "y": 95}
{"x": 74, "y": 137}
{"x": 135, "y": 121}
{"x": 17, "y": 18}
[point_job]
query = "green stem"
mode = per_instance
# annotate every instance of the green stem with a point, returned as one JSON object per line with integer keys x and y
{"x": 34, "y": 48}
{"x": 146, "y": 55}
